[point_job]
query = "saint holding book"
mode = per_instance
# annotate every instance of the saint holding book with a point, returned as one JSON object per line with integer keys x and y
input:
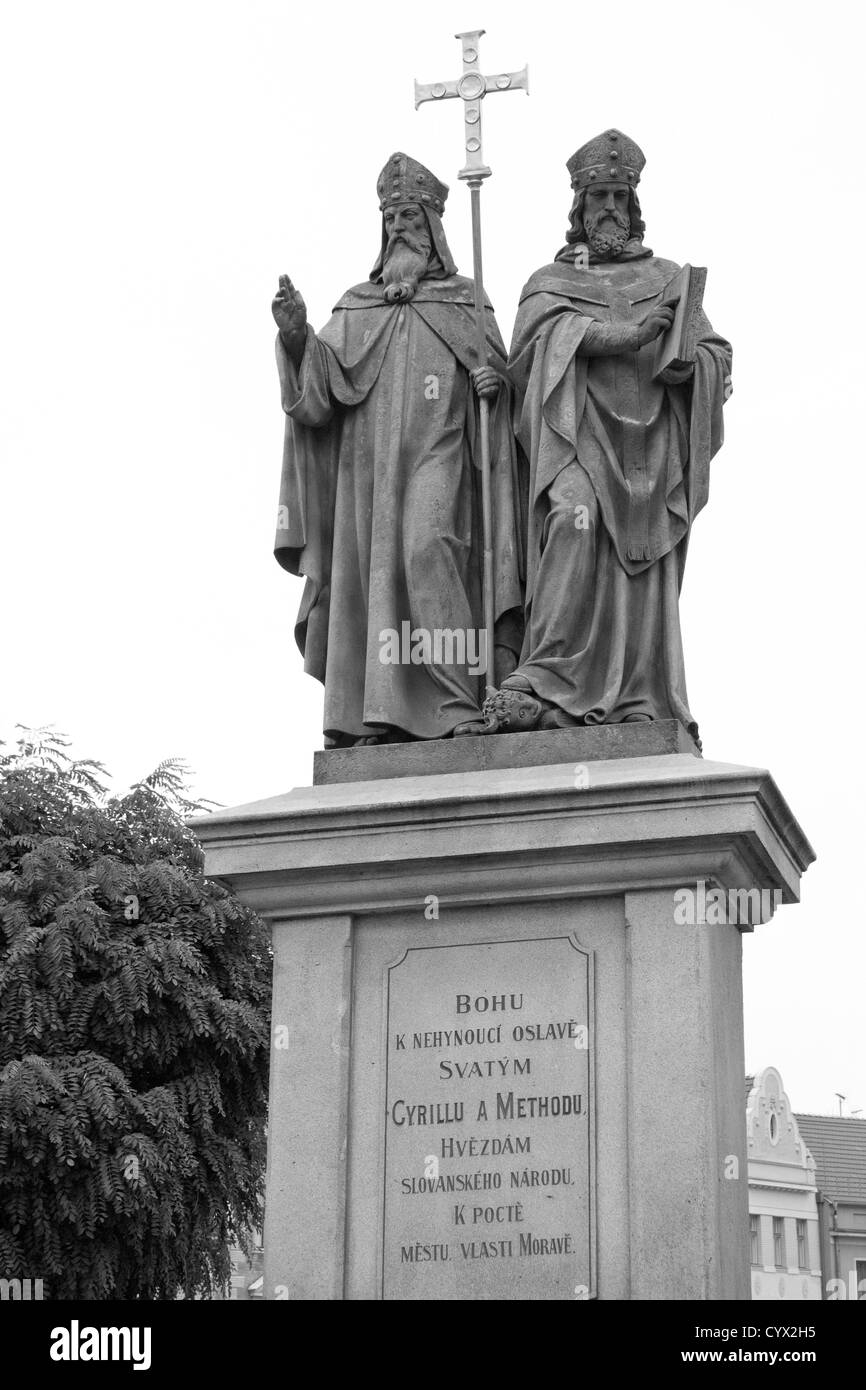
{"x": 619, "y": 447}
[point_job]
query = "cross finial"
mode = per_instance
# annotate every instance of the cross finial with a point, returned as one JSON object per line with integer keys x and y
{"x": 472, "y": 87}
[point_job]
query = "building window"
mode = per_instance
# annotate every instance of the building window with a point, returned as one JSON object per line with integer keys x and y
{"x": 802, "y": 1259}
{"x": 860, "y": 1275}
{"x": 755, "y": 1239}
{"x": 778, "y": 1242}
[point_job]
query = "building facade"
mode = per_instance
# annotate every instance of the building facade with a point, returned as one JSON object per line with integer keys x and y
{"x": 838, "y": 1144}
{"x": 784, "y": 1226}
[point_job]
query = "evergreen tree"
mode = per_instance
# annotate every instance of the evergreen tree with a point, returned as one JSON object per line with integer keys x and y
{"x": 134, "y": 1037}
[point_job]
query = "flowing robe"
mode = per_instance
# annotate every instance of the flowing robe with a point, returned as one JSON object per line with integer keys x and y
{"x": 380, "y": 508}
{"x": 619, "y": 469}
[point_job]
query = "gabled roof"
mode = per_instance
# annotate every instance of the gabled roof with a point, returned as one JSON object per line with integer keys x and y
{"x": 838, "y": 1145}
{"x": 772, "y": 1133}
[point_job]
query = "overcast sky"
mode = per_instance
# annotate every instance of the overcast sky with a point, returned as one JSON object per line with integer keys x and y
{"x": 163, "y": 163}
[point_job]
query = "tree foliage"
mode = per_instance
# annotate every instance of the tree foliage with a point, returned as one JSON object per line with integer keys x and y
{"x": 134, "y": 1031}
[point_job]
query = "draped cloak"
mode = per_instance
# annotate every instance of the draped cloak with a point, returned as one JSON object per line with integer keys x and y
{"x": 602, "y": 639}
{"x": 380, "y": 506}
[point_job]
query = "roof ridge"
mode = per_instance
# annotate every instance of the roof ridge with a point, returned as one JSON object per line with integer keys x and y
{"x": 820, "y": 1115}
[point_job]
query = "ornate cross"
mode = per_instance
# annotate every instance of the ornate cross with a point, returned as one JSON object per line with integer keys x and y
{"x": 472, "y": 87}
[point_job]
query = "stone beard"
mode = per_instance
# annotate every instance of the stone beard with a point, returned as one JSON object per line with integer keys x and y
{"x": 407, "y": 257}
{"x": 607, "y": 233}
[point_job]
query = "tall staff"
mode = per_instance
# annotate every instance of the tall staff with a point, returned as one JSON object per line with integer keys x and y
{"x": 472, "y": 87}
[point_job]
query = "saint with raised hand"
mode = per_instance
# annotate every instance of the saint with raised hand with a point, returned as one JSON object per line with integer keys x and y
{"x": 380, "y": 506}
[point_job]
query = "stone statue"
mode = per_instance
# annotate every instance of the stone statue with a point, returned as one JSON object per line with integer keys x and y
{"x": 619, "y": 464}
{"x": 380, "y": 497}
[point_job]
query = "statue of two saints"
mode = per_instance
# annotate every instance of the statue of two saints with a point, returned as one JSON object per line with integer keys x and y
{"x": 599, "y": 463}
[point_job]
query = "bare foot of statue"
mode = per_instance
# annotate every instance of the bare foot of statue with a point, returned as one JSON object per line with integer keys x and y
{"x": 334, "y": 741}
{"x": 515, "y": 681}
{"x": 471, "y": 727}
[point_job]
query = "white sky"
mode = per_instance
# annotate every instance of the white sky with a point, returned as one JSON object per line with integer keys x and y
{"x": 163, "y": 163}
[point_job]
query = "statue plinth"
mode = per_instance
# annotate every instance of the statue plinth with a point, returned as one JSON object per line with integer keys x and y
{"x": 477, "y": 754}
{"x": 412, "y": 911}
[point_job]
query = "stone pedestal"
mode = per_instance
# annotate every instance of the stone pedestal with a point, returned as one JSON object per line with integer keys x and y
{"x": 416, "y": 912}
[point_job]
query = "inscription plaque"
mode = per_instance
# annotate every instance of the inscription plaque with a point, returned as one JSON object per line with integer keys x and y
{"x": 489, "y": 1122}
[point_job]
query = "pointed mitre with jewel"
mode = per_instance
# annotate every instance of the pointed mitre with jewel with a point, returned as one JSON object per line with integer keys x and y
{"x": 610, "y": 158}
{"x": 404, "y": 180}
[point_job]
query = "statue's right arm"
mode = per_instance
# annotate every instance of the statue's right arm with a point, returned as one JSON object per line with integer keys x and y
{"x": 290, "y": 316}
{"x": 303, "y": 374}
{"x": 295, "y": 348}
{"x": 614, "y": 339}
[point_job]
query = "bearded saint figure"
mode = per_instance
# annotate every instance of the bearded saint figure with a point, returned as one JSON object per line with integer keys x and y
{"x": 380, "y": 505}
{"x": 619, "y": 465}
